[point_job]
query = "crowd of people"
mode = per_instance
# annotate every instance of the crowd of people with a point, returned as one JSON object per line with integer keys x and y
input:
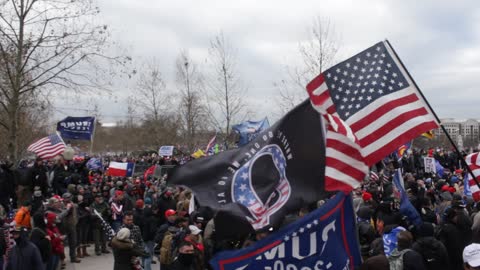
{"x": 54, "y": 211}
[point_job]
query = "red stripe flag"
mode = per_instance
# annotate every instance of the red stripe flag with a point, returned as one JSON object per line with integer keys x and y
{"x": 48, "y": 147}
{"x": 473, "y": 161}
{"x": 379, "y": 108}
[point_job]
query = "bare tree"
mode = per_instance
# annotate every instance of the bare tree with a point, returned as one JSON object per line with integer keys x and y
{"x": 152, "y": 92}
{"x": 316, "y": 54}
{"x": 192, "y": 108}
{"x": 226, "y": 95}
{"x": 160, "y": 123}
{"x": 54, "y": 43}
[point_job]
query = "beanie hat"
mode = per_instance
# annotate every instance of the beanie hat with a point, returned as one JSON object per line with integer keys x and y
{"x": 139, "y": 203}
{"x": 366, "y": 196}
{"x": 148, "y": 200}
{"x": 123, "y": 234}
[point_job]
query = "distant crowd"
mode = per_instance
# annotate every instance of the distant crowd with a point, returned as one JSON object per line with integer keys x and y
{"x": 51, "y": 212}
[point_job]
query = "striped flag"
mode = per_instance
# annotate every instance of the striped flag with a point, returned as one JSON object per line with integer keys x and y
{"x": 48, "y": 147}
{"x": 374, "y": 177}
{"x": 379, "y": 109}
{"x": 473, "y": 161}
{"x": 210, "y": 145}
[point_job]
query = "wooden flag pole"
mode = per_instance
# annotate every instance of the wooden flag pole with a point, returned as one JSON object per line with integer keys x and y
{"x": 435, "y": 115}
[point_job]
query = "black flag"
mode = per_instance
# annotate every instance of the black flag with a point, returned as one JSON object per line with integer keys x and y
{"x": 278, "y": 172}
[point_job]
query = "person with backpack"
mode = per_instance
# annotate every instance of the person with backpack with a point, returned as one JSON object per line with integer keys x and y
{"x": 167, "y": 247}
{"x": 403, "y": 257}
{"x": 434, "y": 253}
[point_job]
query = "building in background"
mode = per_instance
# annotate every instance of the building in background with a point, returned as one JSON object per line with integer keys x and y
{"x": 465, "y": 130}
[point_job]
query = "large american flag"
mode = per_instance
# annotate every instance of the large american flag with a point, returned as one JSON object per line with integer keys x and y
{"x": 473, "y": 161}
{"x": 375, "y": 106}
{"x": 48, "y": 147}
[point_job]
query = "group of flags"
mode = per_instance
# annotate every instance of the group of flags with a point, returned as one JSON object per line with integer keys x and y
{"x": 371, "y": 107}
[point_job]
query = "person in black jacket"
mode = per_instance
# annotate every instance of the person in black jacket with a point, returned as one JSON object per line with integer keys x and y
{"x": 151, "y": 222}
{"x": 40, "y": 238}
{"x": 453, "y": 237}
{"x": 24, "y": 255}
{"x": 38, "y": 176}
{"x": 3, "y": 242}
{"x": 434, "y": 253}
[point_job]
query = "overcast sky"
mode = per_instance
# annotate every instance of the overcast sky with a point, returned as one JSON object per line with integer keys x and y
{"x": 439, "y": 42}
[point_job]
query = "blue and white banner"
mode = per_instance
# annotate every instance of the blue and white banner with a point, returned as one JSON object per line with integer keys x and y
{"x": 324, "y": 239}
{"x": 94, "y": 164}
{"x": 166, "y": 151}
{"x": 248, "y": 130}
{"x": 77, "y": 128}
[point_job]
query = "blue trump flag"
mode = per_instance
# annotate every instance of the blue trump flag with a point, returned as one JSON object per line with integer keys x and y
{"x": 406, "y": 207}
{"x": 94, "y": 164}
{"x": 77, "y": 128}
{"x": 248, "y": 130}
{"x": 323, "y": 239}
{"x": 439, "y": 168}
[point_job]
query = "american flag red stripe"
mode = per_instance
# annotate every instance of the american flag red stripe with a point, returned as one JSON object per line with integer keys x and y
{"x": 474, "y": 163}
{"x": 48, "y": 147}
{"x": 377, "y": 102}
{"x": 211, "y": 142}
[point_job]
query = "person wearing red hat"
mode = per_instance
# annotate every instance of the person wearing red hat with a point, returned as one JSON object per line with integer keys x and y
{"x": 366, "y": 196}
{"x": 56, "y": 240}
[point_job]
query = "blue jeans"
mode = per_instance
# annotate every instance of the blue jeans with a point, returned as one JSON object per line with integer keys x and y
{"x": 116, "y": 225}
{"x": 147, "y": 262}
{"x": 53, "y": 262}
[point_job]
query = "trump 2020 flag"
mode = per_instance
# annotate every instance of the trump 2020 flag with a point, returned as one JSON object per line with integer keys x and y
{"x": 406, "y": 207}
{"x": 77, "y": 128}
{"x": 278, "y": 172}
{"x": 323, "y": 239}
{"x": 248, "y": 130}
{"x": 94, "y": 164}
{"x": 122, "y": 169}
{"x": 372, "y": 106}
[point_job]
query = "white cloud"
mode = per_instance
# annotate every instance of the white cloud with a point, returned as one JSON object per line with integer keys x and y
{"x": 437, "y": 40}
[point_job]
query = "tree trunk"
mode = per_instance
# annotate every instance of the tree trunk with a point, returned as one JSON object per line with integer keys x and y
{"x": 13, "y": 130}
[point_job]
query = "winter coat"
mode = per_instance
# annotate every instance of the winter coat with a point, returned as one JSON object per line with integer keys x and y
{"x": 453, "y": 239}
{"x": 412, "y": 260}
{"x": 138, "y": 218}
{"x": 3, "y": 243}
{"x": 123, "y": 251}
{"x": 434, "y": 253}
{"x": 151, "y": 223}
{"x": 25, "y": 256}
{"x": 22, "y": 218}
{"x": 103, "y": 209}
{"x": 37, "y": 176}
{"x": 38, "y": 236}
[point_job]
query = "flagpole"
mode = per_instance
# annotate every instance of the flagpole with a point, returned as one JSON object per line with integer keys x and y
{"x": 434, "y": 114}
{"x": 93, "y": 135}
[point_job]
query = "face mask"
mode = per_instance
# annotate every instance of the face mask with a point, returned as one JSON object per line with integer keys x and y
{"x": 185, "y": 259}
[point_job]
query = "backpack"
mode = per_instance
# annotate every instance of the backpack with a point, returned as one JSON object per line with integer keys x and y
{"x": 166, "y": 254}
{"x": 395, "y": 260}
